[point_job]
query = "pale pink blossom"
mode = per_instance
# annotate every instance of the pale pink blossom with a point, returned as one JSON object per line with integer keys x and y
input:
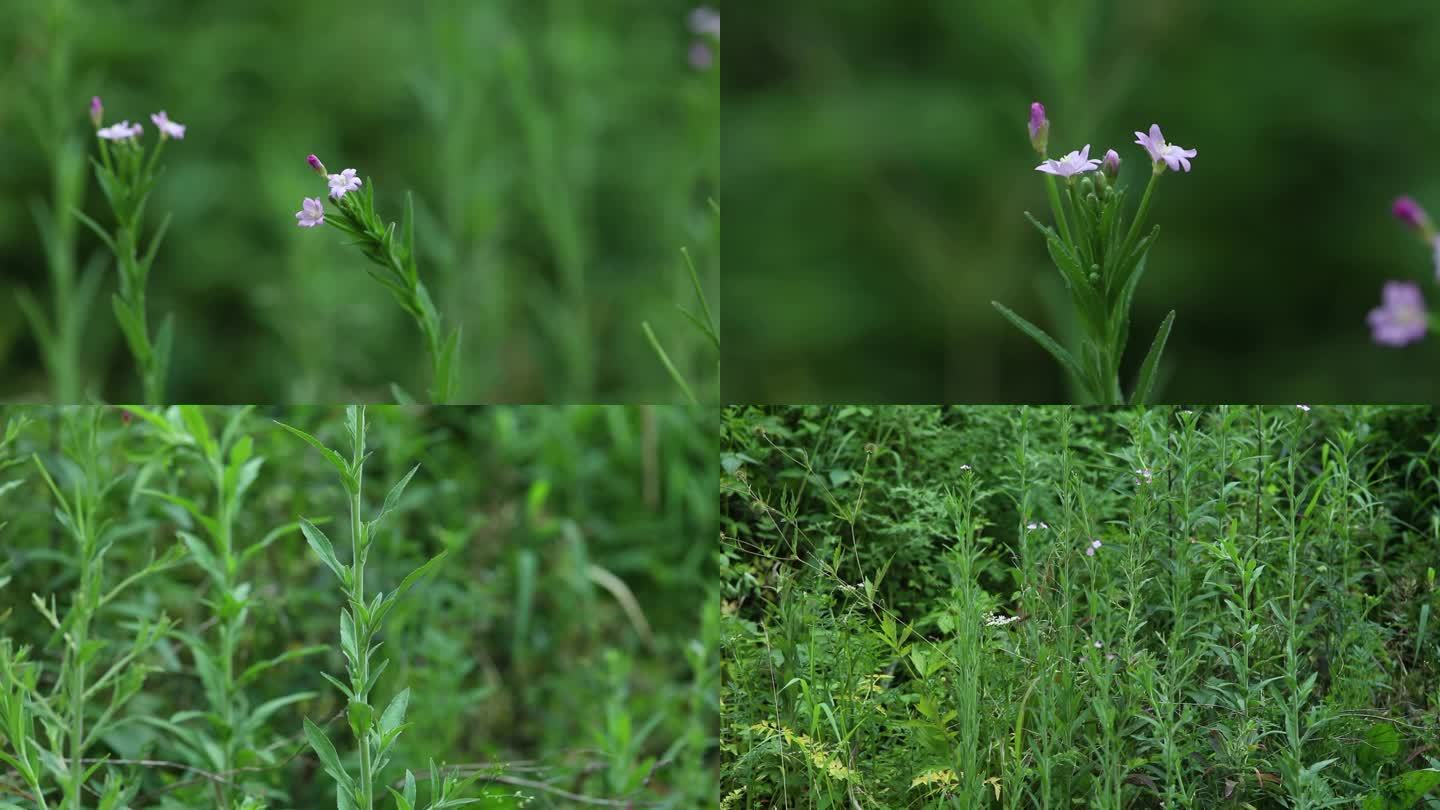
{"x": 167, "y": 127}
{"x": 311, "y": 213}
{"x": 122, "y": 131}
{"x": 1070, "y": 165}
{"x": 1161, "y": 152}
{"x": 343, "y": 182}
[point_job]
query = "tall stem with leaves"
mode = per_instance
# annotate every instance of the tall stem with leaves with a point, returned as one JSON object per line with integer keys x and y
{"x": 359, "y": 623}
{"x": 393, "y": 264}
{"x": 127, "y": 173}
{"x": 89, "y": 689}
{"x": 703, "y": 321}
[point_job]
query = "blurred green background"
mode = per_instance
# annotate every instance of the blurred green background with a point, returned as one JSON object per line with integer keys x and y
{"x": 561, "y": 153}
{"x": 881, "y": 154}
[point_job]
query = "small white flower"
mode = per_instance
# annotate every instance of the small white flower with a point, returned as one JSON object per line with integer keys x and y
{"x": 343, "y": 182}
{"x": 1305, "y": 408}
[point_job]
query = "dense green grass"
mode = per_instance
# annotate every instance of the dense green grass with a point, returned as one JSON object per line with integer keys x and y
{"x": 1226, "y": 607}
{"x": 564, "y": 650}
{"x": 561, "y": 156}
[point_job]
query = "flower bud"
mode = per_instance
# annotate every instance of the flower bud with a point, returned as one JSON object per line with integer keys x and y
{"x": 97, "y": 111}
{"x": 1039, "y": 128}
{"x": 1409, "y": 212}
{"x": 316, "y": 165}
{"x": 1110, "y": 166}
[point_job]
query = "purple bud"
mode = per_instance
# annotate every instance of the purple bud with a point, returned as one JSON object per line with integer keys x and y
{"x": 1039, "y": 127}
{"x": 1111, "y": 164}
{"x": 316, "y": 165}
{"x": 97, "y": 111}
{"x": 1409, "y": 212}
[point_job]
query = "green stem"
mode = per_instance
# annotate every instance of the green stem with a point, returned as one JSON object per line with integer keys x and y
{"x": 1057, "y": 209}
{"x": 362, "y": 625}
{"x": 1134, "y": 231}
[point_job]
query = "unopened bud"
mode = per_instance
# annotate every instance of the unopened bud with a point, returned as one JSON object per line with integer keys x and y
{"x": 316, "y": 165}
{"x": 1039, "y": 128}
{"x": 97, "y": 111}
{"x": 1110, "y": 166}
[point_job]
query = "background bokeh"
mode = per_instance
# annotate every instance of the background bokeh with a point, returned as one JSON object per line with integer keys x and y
{"x": 561, "y": 153}
{"x": 881, "y": 155}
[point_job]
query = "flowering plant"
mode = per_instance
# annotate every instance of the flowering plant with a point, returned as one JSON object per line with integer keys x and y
{"x": 392, "y": 264}
{"x": 127, "y": 173}
{"x": 1401, "y": 318}
{"x": 1099, "y": 257}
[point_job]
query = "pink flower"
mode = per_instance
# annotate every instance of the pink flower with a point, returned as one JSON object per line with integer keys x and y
{"x": 122, "y": 131}
{"x": 97, "y": 111}
{"x": 316, "y": 165}
{"x": 167, "y": 127}
{"x": 1070, "y": 165}
{"x": 311, "y": 213}
{"x": 1400, "y": 319}
{"x": 1092, "y": 548}
{"x": 1171, "y": 155}
{"x": 705, "y": 21}
{"x": 343, "y": 182}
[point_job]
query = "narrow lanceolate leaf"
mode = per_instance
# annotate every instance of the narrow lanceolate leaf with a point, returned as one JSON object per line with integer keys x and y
{"x": 394, "y": 714}
{"x": 340, "y": 465}
{"x": 1141, "y": 395}
{"x": 396, "y": 491}
{"x": 326, "y": 751}
{"x": 323, "y": 549}
{"x": 1066, "y": 360}
{"x": 408, "y": 583}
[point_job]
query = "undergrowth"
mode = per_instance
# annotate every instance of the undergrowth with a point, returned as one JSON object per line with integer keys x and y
{"x": 1004, "y": 607}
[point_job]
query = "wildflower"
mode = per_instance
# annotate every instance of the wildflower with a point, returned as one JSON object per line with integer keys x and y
{"x": 1305, "y": 408}
{"x": 343, "y": 182}
{"x": 1111, "y": 164}
{"x": 1099, "y": 644}
{"x": 705, "y": 21}
{"x": 1039, "y": 128}
{"x": 168, "y": 128}
{"x": 700, "y": 56}
{"x": 1092, "y": 548}
{"x": 1033, "y": 526}
{"x": 316, "y": 165}
{"x": 1400, "y": 319}
{"x": 964, "y": 468}
{"x": 97, "y": 111}
{"x": 992, "y": 620}
{"x": 1144, "y": 476}
{"x": 1070, "y": 165}
{"x": 1171, "y": 155}
{"x": 311, "y": 213}
{"x": 122, "y": 131}
{"x": 1409, "y": 212}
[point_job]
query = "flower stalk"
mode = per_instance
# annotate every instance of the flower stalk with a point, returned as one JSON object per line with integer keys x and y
{"x": 1100, "y": 259}
{"x": 392, "y": 264}
{"x": 127, "y": 173}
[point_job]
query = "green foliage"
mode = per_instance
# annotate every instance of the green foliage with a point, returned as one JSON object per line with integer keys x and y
{"x": 529, "y": 609}
{"x": 1008, "y": 607}
{"x": 559, "y": 155}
